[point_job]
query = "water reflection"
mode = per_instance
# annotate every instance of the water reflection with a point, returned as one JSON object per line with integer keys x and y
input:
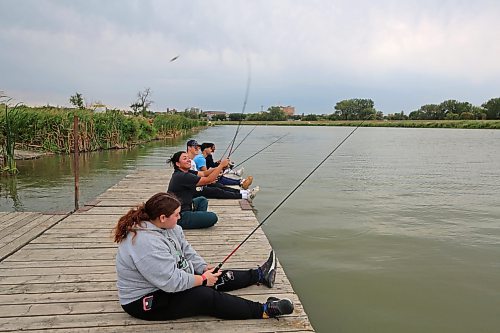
{"x": 47, "y": 183}
{"x": 8, "y": 191}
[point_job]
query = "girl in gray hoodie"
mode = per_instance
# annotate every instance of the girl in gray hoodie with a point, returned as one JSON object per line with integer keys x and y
{"x": 161, "y": 277}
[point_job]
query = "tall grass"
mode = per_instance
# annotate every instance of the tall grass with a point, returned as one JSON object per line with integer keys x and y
{"x": 51, "y": 128}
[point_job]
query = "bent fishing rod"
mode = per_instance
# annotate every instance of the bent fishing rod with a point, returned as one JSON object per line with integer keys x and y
{"x": 269, "y": 145}
{"x": 219, "y": 266}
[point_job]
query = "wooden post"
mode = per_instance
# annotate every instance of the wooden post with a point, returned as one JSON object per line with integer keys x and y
{"x": 76, "y": 163}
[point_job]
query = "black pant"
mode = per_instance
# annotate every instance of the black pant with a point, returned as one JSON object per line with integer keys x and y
{"x": 218, "y": 191}
{"x": 201, "y": 300}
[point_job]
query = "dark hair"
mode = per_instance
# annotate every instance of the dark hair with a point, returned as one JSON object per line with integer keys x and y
{"x": 159, "y": 204}
{"x": 175, "y": 158}
{"x": 206, "y": 145}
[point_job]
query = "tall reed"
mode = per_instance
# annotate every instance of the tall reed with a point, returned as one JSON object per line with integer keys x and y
{"x": 51, "y": 128}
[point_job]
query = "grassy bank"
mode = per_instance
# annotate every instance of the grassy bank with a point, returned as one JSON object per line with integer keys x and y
{"x": 51, "y": 129}
{"x": 490, "y": 124}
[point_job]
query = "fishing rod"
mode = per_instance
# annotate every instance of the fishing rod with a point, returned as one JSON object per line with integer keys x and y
{"x": 247, "y": 92}
{"x": 246, "y": 136}
{"x": 269, "y": 145}
{"x": 219, "y": 266}
{"x": 225, "y": 151}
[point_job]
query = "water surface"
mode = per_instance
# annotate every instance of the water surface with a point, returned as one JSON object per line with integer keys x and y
{"x": 399, "y": 231}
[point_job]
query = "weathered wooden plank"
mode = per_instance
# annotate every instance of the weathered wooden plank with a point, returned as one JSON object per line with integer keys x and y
{"x": 113, "y": 210}
{"x": 44, "y": 274}
{"x": 6, "y": 216}
{"x": 119, "y": 322}
{"x": 120, "y": 202}
{"x": 96, "y": 305}
{"x": 223, "y": 243}
{"x": 15, "y": 221}
{"x": 23, "y": 235}
{"x": 56, "y": 288}
{"x": 26, "y": 254}
{"x": 245, "y": 326}
{"x": 106, "y": 293}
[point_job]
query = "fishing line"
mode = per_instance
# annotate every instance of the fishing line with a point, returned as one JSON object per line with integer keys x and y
{"x": 269, "y": 145}
{"x": 246, "y": 136}
{"x": 285, "y": 199}
{"x": 247, "y": 92}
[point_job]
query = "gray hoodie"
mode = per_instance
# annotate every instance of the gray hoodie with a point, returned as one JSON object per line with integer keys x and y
{"x": 155, "y": 259}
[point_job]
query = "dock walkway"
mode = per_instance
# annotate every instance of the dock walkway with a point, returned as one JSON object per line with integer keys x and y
{"x": 57, "y": 272}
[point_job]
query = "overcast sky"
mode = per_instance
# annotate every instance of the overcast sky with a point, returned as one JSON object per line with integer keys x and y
{"x": 308, "y": 54}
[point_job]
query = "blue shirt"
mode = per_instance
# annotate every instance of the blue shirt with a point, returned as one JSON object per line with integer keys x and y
{"x": 200, "y": 161}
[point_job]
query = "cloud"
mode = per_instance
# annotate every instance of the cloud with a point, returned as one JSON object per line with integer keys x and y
{"x": 309, "y": 54}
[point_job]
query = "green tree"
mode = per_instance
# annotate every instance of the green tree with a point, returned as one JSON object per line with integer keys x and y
{"x": 478, "y": 112}
{"x": 220, "y": 117}
{"x": 453, "y": 106}
{"x": 192, "y": 113}
{"x": 355, "y": 109}
{"x": 427, "y": 112}
{"x": 77, "y": 101}
{"x": 397, "y": 116}
{"x": 492, "y": 108}
{"x": 237, "y": 116}
{"x": 276, "y": 113}
{"x": 310, "y": 117}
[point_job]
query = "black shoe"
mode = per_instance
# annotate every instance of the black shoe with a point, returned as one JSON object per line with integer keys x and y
{"x": 278, "y": 307}
{"x": 268, "y": 270}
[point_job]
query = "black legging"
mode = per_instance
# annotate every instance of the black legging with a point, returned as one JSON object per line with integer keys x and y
{"x": 201, "y": 300}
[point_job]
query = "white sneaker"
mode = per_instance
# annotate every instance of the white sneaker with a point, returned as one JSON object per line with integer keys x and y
{"x": 239, "y": 172}
{"x": 252, "y": 193}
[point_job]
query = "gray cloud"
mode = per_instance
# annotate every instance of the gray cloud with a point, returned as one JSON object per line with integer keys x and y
{"x": 402, "y": 54}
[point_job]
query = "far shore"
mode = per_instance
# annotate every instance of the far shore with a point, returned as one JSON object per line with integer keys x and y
{"x": 471, "y": 124}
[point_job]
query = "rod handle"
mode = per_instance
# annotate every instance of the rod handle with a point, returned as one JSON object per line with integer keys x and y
{"x": 217, "y": 268}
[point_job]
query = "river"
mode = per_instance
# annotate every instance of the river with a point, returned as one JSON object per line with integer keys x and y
{"x": 398, "y": 231}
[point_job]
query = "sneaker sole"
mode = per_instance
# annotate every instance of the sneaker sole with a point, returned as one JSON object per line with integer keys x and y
{"x": 272, "y": 278}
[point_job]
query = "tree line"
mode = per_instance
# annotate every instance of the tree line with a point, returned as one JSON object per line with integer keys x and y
{"x": 361, "y": 109}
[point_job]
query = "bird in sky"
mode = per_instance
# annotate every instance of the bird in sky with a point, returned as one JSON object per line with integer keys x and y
{"x": 174, "y": 58}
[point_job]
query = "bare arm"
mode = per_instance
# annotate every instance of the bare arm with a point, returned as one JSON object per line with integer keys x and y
{"x": 210, "y": 175}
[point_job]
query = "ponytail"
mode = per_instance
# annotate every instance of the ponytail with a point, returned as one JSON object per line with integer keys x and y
{"x": 129, "y": 222}
{"x": 159, "y": 204}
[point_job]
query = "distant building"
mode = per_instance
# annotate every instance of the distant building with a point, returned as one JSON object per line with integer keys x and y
{"x": 289, "y": 110}
{"x": 211, "y": 114}
{"x": 98, "y": 107}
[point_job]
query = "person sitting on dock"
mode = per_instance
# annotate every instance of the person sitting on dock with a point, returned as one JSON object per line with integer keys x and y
{"x": 161, "y": 277}
{"x": 184, "y": 183}
{"x": 201, "y": 165}
{"x": 214, "y": 190}
{"x": 211, "y": 164}
{"x": 197, "y": 153}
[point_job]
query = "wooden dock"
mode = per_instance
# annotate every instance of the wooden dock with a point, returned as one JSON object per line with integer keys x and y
{"x": 57, "y": 272}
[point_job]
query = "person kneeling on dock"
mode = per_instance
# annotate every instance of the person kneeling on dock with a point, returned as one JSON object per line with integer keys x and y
{"x": 161, "y": 277}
